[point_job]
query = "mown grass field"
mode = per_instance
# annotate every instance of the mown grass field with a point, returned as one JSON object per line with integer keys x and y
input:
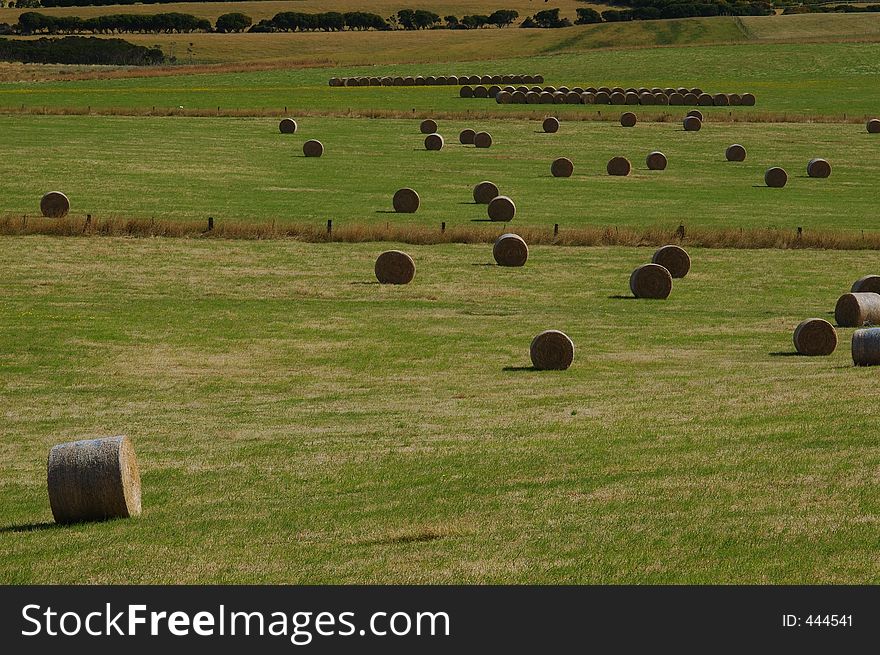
{"x": 296, "y": 422}
{"x": 243, "y": 169}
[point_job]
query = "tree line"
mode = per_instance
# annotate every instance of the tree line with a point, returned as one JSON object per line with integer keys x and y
{"x": 79, "y": 50}
{"x": 830, "y": 9}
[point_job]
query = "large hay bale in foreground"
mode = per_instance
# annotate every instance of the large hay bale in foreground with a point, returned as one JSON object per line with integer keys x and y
{"x": 54, "y": 205}
{"x": 394, "y": 267}
{"x": 656, "y": 161}
{"x": 485, "y": 192}
{"x": 466, "y": 136}
{"x": 482, "y": 140}
{"x": 434, "y": 142}
{"x": 628, "y": 119}
{"x": 619, "y": 166}
{"x": 428, "y": 126}
{"x": 866, "y": 347}
{"x": 551, "y": 350}
{"x": 93, "y": 480}
{"x": 501, "y": 208}
{"x": 674, "y": 259}
{"x": 815, "y": 336}
{"x": 867, "y": 284}
{"x": 550, "y": 124}
{"x": 735, "y": 152}
{"x": 857, "y": 309}
{"x": 692, "y": 124}
{"x": 287, "y": 126}
{"x": 873, "y": 126}
{"x": 561, "y": 167}
{"x": 651, "y": 281}
{"x": 818, "y": 168}
{"x": 510, "y": 250}
{"x": 406, "y": 201}
{"x": 313, "y": 148}
{"x": 775, "y": 177}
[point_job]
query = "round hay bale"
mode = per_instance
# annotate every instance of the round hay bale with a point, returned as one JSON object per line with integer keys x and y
{"x": 496, "y": 79}
{"x": 748, "y": 99}
{"x": 866, "y": 347}
{"x": 409, "y": 80}
{"x": 619, "y": 166}
{"x": 375, "y": 81}
{"x": 591, "y": 89}
{"x": 692, "y": 124}
{"x": 603, "y": 98}
{"x": 720, "y": 100}
{"x": 466, "y": 92}
{"x": 559, "y": 98}
{"x": 646, "y": 98}
{"x": 494, "y": 90}
{"x": 482, "y": 140}
{"x": 420, "y": 81}
{"x": 534, "y": 89}
{"x": 669, "y": 90}
{"x": 510, "y": 250}
{"x": 618, "y": 98}
{"x": 550, "y": 89}
{"x": 735, "y": 99}
{"x": 428, "y": 126}
{"x": 538, "y": 79}
{"x": 550, "y": 125}
{"x": 503, "y": 97}
{"x": 434, "y": 142}
{"x": 873, "y": 126}
{"x": 691, "y": 99}
{"x": 704, "y": 100}
{"x": 676, "y": 99}
{"x": 857, "y": 309}
{"x": 674, "y": 259}
{"x": 363, "y": 81}
{"x": 313, "y": 148}
{"x": 387, "y": 81}
{"x": 335, "y": 81}
{"x": 563, "y": 89}
{"x": 397, "y": 81}
{"x": 485, "y": 192}
{"x": 466, "y": 136}
{"x": 447, "y": 80}
{"x": 604, "y": 89}
{"x": 431, "y": 80}
{"x": 54, "y": 205}
{"x": 618, "y": 89}
{"x": 818, "y": 168}
{"x": 501, "y": 208}
{"x": 656, "y": 161}
{"x": 682, "y": 90}
{"x": 508, "y": 79}
{"x": 518, "y": 97}
{"x": 696, "y": 113}
{"x": 394, "y": 267}
{"x": 93, "y": 480}
{"x": 573, "y": 98}
{"x": 533, "y": 98}
{"x": 481, "y": 92}
{"x": 351, "y": 81}
{"x": 588, "y": 98}
{"x": 628, "y": 119}
{"x": 551, "y": 350}
{"x": 735, "y": 152}
{"x": 867, "y": 284}
{"x": 287, "y": 126}
{"x": 655, "y": 90}
{"x": 661, "y": 99}
{"x": 651, "y": 281}
{"x": 472, "y": 79}
{"x": 561, "y": 167}
{"x": 406, "y": 201}
{"x": 546, "y": 97}
{"x": 697, "y": 91}
{"x": 631, "y": 98}
{"x": 485, "y": 79}
{"x": 815, "y": 336}
{"x": 577, "y": 89}
{"x": 775, "y": 177}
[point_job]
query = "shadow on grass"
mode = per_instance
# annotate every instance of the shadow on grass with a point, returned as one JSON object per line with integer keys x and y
{"x": 386, "y": 211}
{"x": 483, "y": 220}
{"x": 29, "y": 527}
{"x": 620, "y": 297}
{"x": 365, "y": 282}
{"x": 420, "y": 537}
{"x": 785, "y": 353}
{"x": 519, "y": 368}
{"x": 485, "y": 264}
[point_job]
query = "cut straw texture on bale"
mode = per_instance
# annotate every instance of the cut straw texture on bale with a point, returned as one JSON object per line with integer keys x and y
{"x": 857, "y": 309}
{"x": 873, "y": 126}
{"x": 551, "y": 125}
{"x": 466, "y": 136}
{"x": 94, "y": 480}
{"x": 651, "y": 281}
{"x": 501, "y": 208}
{"x": 395, "y": 267}
{"x": 482, "y": 140}
{"x": 818, "y": 168}
{"x": 815, "y": 336}
{"x": 428, "y": 126}
{"x": 692, "y": 124}
{"x": 313, "y": 148}
{"x": 674, "y": 259}
{"x": 866, "y": 347}
{"x": 628, "y": 119}
{"x": 510, "y": 250}
{"x": 867, "y": 284}
{"x": 735, "y": 152}
{"x": 775, "y": 177}
{"x": 485, "y": 192}
{"x": 619, "y": 166}
{"x": 54, "y": 205}
{"x": 561, "y": 167}
{"x": 433, "y": 142}
{"x": 552, "y": 350}
{"x": 287, "y": 126}
{"x": 406, "y": 201}
{"x": 656, "y": 161}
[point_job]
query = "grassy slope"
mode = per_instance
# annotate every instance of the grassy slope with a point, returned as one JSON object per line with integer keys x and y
{"x": 243, "y": 169}
{"x": 296, "y": 423}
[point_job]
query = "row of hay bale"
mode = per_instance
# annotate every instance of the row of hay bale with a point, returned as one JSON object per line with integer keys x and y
{"x": 311, "y": 148}
{"x": 499, "y": 208}
{"x": 605, "y": 96}
{"x": 468, "y": 136}
{"x": 435, "y": 80}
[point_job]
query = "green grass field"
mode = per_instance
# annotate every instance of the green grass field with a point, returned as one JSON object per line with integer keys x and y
{"x": 296, "y": 422}
{"x": 243, "y": 169}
